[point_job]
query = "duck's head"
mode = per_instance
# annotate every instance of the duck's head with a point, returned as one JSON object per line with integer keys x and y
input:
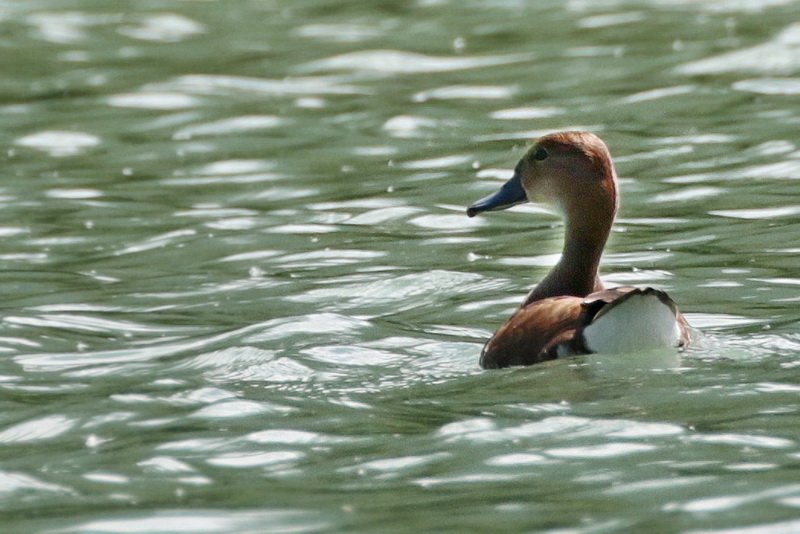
{"x": 571, "y": 170}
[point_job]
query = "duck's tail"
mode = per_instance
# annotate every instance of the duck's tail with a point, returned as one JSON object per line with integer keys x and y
{"x": 641, "y": 319}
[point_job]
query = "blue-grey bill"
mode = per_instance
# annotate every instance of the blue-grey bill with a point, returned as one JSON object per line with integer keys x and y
{"x": 510, "y": 194}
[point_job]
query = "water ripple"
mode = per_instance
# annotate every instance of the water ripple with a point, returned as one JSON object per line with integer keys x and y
{"x": 165, "y": 464}
{"x": 409, "y": 126}
{"x": 66, "y": 27}
{"x": 159, "y": 100}
{"x": 349, "y": 355}
{"x": 234, "y": 125}
{"x": 613, "y": 19}
{"x": 158, "y": 241}
{"x": 229, "y": 409}
{"x": 250, "y": 364}
{"x": 399, "y": 62}
{"x": 210, "y": 84}
{"x": 341, "y": 32}
{"x": 517, "y": 459}
{"x": 656, "y": 94}
{"x": 164, "y": 28}
{"x": 468, "y": 92}
{"x": 770, "y": 86}
{"x": 727, "y": 502}
{"x": 86, "y": 323}
{"x": 37, "y": 430}
{"x": 657, "y": 484}
{"x": 382, "y": 215}
{"x": 780, "y": 55}
{"x": 96, "y": 360}
{"x": 526, "y": 113}
{"x": 441, "y": 162}
{"x": 758, "y": 213}
{"x": 484, "y": 430}
{"x": 605, "y": 450}
{"x": 687, "y": 194}
{"x": 255, "y": 459}
{"x": 11, "y": 482}
{"x": 320, "y": 258}
{"x": 289, "y": 437}
{"x": 744, "y": 440}
{"x": 410, "y": 287}
{"x": 398, "y": 466}
{"x": 204, "y": 521}
{"x": 60, "y": 143}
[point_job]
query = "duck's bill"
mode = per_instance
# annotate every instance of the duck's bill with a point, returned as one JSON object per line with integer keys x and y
{"x": 510, "y": 194}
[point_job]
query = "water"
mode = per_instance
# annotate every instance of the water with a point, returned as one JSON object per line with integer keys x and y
{"x": 241, "y": 293}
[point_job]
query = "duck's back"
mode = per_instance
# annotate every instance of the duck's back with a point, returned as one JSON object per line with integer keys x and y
{"x": 623, "y": 319}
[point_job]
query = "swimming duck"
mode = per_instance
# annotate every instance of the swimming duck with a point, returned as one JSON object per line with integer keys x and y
{"x": 570, "y": 311}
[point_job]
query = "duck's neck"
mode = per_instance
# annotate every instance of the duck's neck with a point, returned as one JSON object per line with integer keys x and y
{"x": 576, "y": 273}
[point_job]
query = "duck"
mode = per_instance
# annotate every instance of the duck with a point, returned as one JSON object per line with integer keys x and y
{"x": 570, "y": 311}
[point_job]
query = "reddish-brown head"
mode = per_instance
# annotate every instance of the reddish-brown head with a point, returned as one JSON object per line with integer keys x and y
{"x": 573, "y": 171}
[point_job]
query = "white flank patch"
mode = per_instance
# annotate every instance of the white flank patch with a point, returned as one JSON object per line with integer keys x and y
{"x": 641, "y": 322}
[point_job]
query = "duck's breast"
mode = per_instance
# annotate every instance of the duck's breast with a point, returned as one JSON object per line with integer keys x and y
{"x": 530, "y": 334}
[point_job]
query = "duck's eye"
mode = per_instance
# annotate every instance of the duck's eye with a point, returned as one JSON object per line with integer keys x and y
{"x": 540, "y": 154}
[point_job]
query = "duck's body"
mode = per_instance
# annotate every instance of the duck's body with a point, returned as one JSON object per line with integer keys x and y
{"x": 570, "y": 311}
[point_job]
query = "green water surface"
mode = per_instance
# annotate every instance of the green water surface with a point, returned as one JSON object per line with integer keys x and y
{"x": 240, "y": 292}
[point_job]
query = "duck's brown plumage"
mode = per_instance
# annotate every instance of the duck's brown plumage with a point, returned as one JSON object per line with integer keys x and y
{"x": 574, "y": 171}
{"x": 551, "y": 328}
